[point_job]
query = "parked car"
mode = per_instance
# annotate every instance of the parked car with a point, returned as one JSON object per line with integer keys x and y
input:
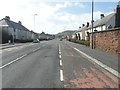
{"x": 36, "y": 41}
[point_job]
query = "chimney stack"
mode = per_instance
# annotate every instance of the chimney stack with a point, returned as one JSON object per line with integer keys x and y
{"x": 83, "y": 25}
{"x": 20, "y": 22}
{"x": 117, "y": 24}
{"x": 79, "y": 27}
{"x": 87, "y": 24}
{"x": 102, "y": 16}
{"x": 7, "y": 17}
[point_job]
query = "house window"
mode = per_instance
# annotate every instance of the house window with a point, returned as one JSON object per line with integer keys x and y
{"x": 95, "y": 30}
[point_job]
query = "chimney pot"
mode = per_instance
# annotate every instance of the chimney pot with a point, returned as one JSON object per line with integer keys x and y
{"x": 83, "y": 25}
{"x": 102, "y": 16}
{"x": 87, "y": 24}
{"x": 19, "y": 22}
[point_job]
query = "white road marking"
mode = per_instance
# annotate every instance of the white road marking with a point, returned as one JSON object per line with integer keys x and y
{"x": 17, "y": 58}
{"x": 60, "y": 56}
{"x": 60, "y": 62}
{"x": 61, "y": 75}
{"x": 61, "y": 71}
{"x": 59, "y": 52}
{"x": 36, "y": 49}
{"x": 59, "y": 48}
{"x": 13, "y": 61}
{"x": 116, "y": 73}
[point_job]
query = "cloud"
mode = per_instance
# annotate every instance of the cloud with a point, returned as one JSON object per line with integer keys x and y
{"x": 49, "y": 19}
{"x": 81, "y": 5}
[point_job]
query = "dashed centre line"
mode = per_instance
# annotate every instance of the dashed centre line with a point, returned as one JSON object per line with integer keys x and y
{"x": 61, "y": 75}
{"x": 60, "y": 62}
{"x": 59, "y": 53}
{"x": 60, "y": 56}
{"x": 61, "y": 71}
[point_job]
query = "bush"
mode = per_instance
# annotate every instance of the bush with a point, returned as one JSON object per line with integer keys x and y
{"x": 83, "y": 42}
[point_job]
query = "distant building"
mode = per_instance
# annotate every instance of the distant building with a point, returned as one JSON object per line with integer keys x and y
{"x": 34, "y": 35}
{"x": 44, "y": 36}
{"x": 81, "y": 32}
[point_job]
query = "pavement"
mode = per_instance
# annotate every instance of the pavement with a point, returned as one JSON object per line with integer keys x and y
{"x": 79, "y": 72}
{"x": 108, "y": 59}
{"x": 7, "y": 45}
{"x": 4, "y": 46}
{"x": 56, "y": 64}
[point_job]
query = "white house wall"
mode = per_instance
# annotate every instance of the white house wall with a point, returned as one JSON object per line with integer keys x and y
{"x": 87, "y": 30}
{"x": 80, "y": 35}
{"x": 29, "y": 35}
{"x": 3, "y": 23}
{"x": 18, "y": 33}
{"x": 83, "y": 34}
{"x": 73, "y": 36}
{"x": 10, "y": 31}
{"x": 104, "y": 27}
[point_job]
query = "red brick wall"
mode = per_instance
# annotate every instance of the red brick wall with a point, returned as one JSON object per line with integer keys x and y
{"x": 108, "y": 41}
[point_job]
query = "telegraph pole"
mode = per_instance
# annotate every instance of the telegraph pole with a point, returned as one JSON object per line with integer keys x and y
{"x": 92, "y": 23}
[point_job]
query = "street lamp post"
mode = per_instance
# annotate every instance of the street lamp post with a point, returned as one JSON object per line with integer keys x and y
{"x": 34, "y": 21}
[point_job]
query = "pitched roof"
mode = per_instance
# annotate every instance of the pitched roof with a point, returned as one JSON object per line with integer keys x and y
{"x": 83, "y": 28}
{"x": 94, "y": 24}
{"x": 15, "y": 25}
{"x": 102, "y": 21}
{"x": 106, "y": 19}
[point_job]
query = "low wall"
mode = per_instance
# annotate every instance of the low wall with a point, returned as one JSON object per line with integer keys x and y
{"x": 108, "y": 40}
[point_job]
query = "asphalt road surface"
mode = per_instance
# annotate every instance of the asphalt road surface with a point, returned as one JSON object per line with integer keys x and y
{"x": 51, "y": 64}
{"x": 38, "y": 69}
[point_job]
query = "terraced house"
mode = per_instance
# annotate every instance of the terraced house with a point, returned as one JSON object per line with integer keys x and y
{"x": 15, "y": 32}
{"x": 104, "y": 23}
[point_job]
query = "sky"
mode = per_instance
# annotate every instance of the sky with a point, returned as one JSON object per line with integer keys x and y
{"x": 54, "y": 16}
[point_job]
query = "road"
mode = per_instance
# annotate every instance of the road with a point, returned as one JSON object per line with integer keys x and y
{"x": 51, "y": 64}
